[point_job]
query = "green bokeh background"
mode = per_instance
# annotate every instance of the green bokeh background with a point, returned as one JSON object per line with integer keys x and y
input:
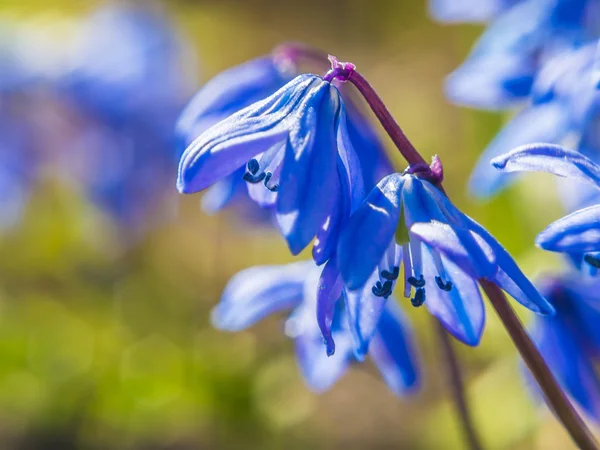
{"x": 105, "y": 346}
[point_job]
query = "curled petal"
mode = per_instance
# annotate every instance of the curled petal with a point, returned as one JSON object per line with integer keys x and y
{"x": 549, "y": 158}
{"x": 578, "y": 232}
{"x": 540, "y": 123}
{"x": 369, "y": 232}
{"x": 257, "y": 292}
{"x": 393, "y": 351}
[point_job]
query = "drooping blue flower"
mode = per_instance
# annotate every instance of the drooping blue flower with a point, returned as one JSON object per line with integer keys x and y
{"x": 298, "y": 157}
{"x": 260, "y": 291}
{"x": 579, "y": 232}
{"x": 564, "y": 104}
{"x": 407, "y": 221}
{"x": 453, "y": 11}
{"x": 570, "y": 341}
{"x": 504, "y": 63}
{"x": 248, "y": 83}
{"x": 125, "y": 90}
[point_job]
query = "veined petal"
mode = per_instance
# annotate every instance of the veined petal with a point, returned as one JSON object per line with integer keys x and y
{"x": 229, "y": 91}
{"x": 539, "y": 123}
{"x": 257, "y": 292}
{"x": 393, "y": 351}
{"x": 369, "y": 232}
{"x": 552, "y": 159}
{"x": 461, "y": 309}
{"x": 309, "y": 178}
{"x": 364, "y": 312}
{"x": 578, "y": 232}
{"x": 351, "y": 172}
{"x": 329, "y": 291}
{"x": 229, "y": 144}
{"x": 443, "y": 238}
{"x": 510, "y": 277}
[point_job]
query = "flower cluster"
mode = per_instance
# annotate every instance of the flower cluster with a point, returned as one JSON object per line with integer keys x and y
{"x": 312, "y": 160}
{"x": 542, "y": 55}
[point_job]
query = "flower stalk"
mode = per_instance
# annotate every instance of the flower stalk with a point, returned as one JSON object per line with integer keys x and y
{"x": 554, "y": 395}
{"x": 457, "y": 387}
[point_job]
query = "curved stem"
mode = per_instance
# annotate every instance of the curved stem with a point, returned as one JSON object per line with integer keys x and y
{"x": 555, "y": 397}
{"x": 384, "y": 116}
{"x": 457, "y": 386}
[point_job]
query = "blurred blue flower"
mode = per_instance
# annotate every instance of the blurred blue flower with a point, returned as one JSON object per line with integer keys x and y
{"x": 564, "y": 103}
{"x": 504, "y": 63}
{"x": 570, "y": 341}
{"x": 298, "y": 159}
{"x": 260, "y": 291}
{"x": 407, "y": 220}
{"x": 579, "y": 232}
{"x": 454, "y": 11}
{"x": 248, "y": 83}
{"x": 126, "y": 88}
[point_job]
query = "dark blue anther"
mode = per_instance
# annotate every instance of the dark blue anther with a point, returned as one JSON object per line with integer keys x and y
{"x": 273, "y": 188}
{"x": 416, "y": 283}
{"x": 391, "y": 276}
{"x": 384, "y": 290}
{"x": 592, "y": 261}
{"x": 253, "y": 166}
{"x": 443, "y": 286}
{"x": 419, "y": 298}
{"x": 253, "y": 178}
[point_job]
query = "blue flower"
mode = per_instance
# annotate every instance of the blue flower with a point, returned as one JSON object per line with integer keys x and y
{"x": 564, "y": 103}
{"x": 298, "y": 158}
{"x": 579, "y": 232}
{"x": 407, "y": 221}
{"x": 129, "y": 61}
{"x": 570, "y": 341}
{"x": 467, "y": 10}
{"x": 502, "y": 67}
{"x": 248, "y": 83}
{"x": 260, "y": 291}
{"x": 125, "y": 91}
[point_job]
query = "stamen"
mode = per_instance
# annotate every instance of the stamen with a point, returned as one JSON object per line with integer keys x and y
{"x": 391, "y": 276}
{"x": 592, "y": 261}
{"x": 254, "y": 179}
{"x": 253, "y": 166}
{"x": 273, "y": 188}
{"x": 419, "y": 298}
{"x": 416, "y": 283}
{"x": 447, "y": 286}
{"x": 384, "y": 290}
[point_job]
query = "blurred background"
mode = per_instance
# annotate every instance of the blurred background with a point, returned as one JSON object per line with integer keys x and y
{"x": 108, "y": 276}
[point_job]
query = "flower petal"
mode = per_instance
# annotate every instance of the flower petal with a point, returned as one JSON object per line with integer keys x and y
{"x": 541, "y": 123}
{"x": 229, "y": 144}
{"x": 364, "y": 311}
{"x": 461, "y": 309}
{"x": 329, "y": 291}
{"x": 257, "y": 292}
{"x": 443, "y": 238}
{"x": 319, "y": 370}
{"x": 228, "y": 92}
{"x": 393, "y": 351}
{"x": 578, "y": 232}
{"x": 568, "y": 360}
{"x": 549, "y": 158}
{"x": 452, "y": 11}
{"x": 309, "y": 178}
{"x": 369, "y": 232}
